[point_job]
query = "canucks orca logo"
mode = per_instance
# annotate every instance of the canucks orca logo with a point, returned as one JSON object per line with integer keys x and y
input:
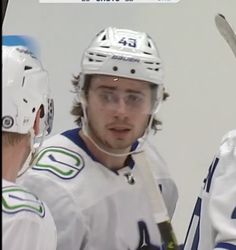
{"x": 62, "y": 162}
{"x": 16, "y": 199}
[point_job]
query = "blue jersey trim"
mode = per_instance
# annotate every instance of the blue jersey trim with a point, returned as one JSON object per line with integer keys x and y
{"x": 227, "y": 246}
{"x": 196, "y": 212}
{"x": 211, "y": 173}
{"x": 233, "y": 216}
{"x": 74, "y": 136}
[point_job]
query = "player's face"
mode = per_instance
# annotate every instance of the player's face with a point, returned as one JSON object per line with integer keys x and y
{"x": 118, "y": 111}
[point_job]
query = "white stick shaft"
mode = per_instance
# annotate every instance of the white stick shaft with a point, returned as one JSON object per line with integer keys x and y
{"x": 157, "y": 203}
{"x": 155, "y": 196}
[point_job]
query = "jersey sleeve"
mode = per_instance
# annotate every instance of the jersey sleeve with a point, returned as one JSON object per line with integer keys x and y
{"x": 213, "y": 223}
{"x": 222, "y": 204}
{"x": 26, "y": 233}
{"x": 71, "y": 228}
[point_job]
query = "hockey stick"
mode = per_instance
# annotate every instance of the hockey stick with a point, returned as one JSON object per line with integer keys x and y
{"x": 226, "y": 31}
{"x": 4, "y": 9}
{"x": 158, "y": 205}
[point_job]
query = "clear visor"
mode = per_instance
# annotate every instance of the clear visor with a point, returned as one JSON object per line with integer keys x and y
{"x": 124, "y": 95}
{"x": 50, "y": 115}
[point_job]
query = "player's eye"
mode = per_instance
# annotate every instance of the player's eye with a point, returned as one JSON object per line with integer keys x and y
{"x": 107, "y": 97}
{"x": 134, "y": 99}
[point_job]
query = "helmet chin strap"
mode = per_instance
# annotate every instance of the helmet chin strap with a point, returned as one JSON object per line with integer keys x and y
{"x": 141, "y": 140}
{"x": 85, "y": 130}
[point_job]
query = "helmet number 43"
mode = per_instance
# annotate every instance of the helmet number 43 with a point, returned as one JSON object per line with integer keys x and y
{"x": 131, "y": 42}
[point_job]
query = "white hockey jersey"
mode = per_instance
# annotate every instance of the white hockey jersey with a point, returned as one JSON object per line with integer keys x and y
{"x": 95, "y": 208}
{"x": 213, "y": 224}
{"x": 26, "y": 221}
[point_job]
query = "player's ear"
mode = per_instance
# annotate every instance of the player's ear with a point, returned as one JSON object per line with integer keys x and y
{"x": 37, "y": 121}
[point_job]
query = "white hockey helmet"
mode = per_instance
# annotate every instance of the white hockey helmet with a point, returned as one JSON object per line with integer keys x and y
{"x": 125, "y": 53}
{"x": 25, "y": 89}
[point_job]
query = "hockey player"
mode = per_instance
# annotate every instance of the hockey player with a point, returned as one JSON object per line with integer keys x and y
{"x": 213, "y": 223}
{"x": 97, "y": 199}
{"x": 27, "y": 222}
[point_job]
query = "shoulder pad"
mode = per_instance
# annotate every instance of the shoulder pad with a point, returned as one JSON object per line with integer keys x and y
{"x": 231, "y": 135}
{"x": 60, "y": 161}
{"x": 228, "y": 143}
{"x": 16, "y": 199}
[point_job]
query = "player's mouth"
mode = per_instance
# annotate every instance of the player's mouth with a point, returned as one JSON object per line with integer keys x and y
{"x": 119, "y": 131}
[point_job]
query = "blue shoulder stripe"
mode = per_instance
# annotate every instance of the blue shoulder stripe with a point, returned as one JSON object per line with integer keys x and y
{"x": 226, "y": 246}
